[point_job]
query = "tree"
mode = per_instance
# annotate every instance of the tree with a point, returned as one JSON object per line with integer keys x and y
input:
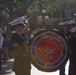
{"x": 15, "y": 8}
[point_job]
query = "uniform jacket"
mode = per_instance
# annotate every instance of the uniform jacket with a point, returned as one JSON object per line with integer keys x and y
{"x": 22, "y": 56}
{"x": 72, "y": 45}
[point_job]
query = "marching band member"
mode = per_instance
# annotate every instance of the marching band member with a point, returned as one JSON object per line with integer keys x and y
{"x": 72, "y": 44}
{"x": 62, "y": 31}
{"x": 71, "y": 24}
{"x": 21, "y": 54}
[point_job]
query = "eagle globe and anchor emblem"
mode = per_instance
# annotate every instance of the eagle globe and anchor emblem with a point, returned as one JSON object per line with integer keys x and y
{"x": 49, "y": 51}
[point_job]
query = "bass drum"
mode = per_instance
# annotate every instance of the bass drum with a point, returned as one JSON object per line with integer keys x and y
{"x": 49, "y": 51}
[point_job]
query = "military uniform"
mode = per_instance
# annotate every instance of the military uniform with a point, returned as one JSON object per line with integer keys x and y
{"x": 62, "y": 32}
{"x": 72, "y": 44}
{"x": 21, "y": 54}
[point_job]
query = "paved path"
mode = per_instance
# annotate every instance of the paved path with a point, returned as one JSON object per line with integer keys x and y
{"x": 7, "y": 68}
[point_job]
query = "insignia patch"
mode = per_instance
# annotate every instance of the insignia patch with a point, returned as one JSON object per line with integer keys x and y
{"x": 49, "y": 51}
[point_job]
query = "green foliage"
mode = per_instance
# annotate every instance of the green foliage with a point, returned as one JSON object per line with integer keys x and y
{"x": 55, "y": 24}
{"x": 33, "y": 19}
{"x": 52, "y": 7}
{"x": 35, "y": 5}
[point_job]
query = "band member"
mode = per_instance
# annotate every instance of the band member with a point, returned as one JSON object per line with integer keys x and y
{"x": 71, "y": 24}
{"x": 20, "y": 52}
{"x": 62, "y": 31}
{"x": 72, "y": 44}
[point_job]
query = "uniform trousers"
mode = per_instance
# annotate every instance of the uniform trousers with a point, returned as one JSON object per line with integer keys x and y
{"x": 62, "y": 70}
{"x": 72, "y": 67}
{"x": 22, "y": 72}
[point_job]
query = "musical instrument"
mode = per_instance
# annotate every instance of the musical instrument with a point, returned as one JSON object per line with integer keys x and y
{"x": 49, "y": 50}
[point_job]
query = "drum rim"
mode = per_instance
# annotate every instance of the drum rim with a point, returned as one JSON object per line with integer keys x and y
{"x": 60, "y": 65}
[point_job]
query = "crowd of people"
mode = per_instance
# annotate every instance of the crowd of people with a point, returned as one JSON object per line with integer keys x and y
{"x": 16, "y": 45}
{"x": 67, "y": 30}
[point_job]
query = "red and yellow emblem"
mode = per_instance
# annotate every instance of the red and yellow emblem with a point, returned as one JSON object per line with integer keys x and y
{"x": 49, "y": 51}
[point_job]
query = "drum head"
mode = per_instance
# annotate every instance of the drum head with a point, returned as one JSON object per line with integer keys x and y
{"x": 49, "y": 51}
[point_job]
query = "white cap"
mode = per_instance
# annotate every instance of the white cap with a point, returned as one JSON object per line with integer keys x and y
{"x": 62, "y": 23}
{"x": 20, "y": 20}
{"x": 73, "y": 30}
{"x": 71, "y": 22}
